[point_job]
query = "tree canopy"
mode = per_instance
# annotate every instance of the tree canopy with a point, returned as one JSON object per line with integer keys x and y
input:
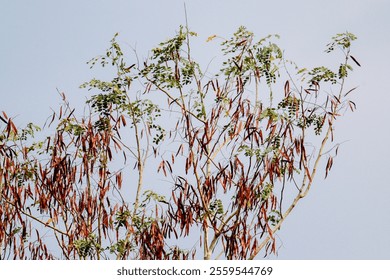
{"x": 170, "y": 161}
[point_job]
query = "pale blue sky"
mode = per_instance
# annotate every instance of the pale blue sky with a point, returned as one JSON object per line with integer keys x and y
{"x": 45, "y": 45}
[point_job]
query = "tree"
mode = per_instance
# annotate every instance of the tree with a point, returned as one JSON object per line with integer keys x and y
{"x": 229, "y": 155}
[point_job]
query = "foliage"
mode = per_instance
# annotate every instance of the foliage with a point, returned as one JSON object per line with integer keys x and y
{"x": 228, "y": 156}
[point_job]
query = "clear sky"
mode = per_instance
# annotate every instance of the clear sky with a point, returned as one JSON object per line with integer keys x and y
{"x": 46, "y": 44}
